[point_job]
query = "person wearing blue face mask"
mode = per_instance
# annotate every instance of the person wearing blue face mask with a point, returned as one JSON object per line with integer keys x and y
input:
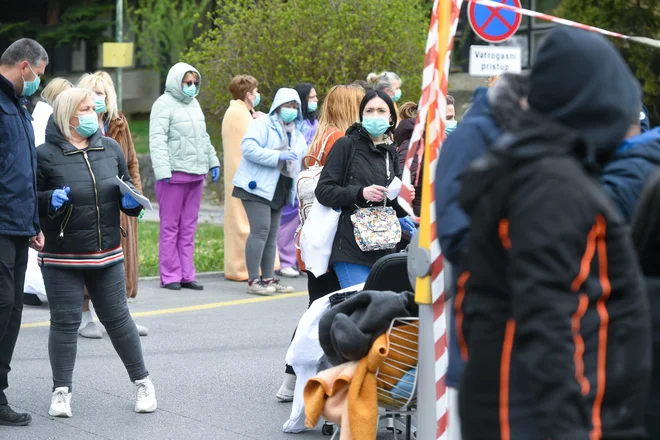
{"x": 286, "y": 246}
{"x": 273, "y": 148}
{"x": 79, "y": 205}
{"x": 115, "y": 125}
{"x": 450, "y": 121}
{"x": 357, "y": 173}
{"x": 182, "y": 155}
{"x": 21, "y": 65}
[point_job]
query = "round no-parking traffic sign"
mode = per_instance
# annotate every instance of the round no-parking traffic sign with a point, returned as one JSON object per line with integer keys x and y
{"x": 494, "y": 25}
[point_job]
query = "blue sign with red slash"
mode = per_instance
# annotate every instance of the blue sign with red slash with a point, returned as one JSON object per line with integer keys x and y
{"x": 494, "y": 25}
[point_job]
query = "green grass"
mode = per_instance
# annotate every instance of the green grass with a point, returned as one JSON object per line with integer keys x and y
{"x": 209, "y": 248}
{"x": 140, "y": 134}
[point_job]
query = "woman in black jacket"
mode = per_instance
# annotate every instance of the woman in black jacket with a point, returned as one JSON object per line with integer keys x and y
{"x": 359, "y": 168}
{"x": 79, "y": 205}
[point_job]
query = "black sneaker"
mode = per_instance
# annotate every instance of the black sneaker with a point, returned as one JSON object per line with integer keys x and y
{"x": 9, "y": 417}
{"x": 192, "y": 285}
{"x": 172, "y": 286}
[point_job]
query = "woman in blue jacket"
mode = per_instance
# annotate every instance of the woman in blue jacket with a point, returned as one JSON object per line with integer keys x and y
{"x": 272, "y": 149}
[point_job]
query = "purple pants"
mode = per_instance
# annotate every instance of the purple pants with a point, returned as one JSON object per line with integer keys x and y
{"x": 286, "y": 244}
{"x": 178, "y": 205}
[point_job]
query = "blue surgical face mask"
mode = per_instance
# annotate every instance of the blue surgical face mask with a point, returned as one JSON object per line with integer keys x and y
{"x": 88, "y": 125}
{"x": 450, "y": 126}
{"x": 190, "y": 90}
{"x": 397, "y": 96}
{"x": 312, "y": 106}
{"x": 99, "y": 104}
{"x": 29, "y": 87}
{"x": 376, "y": 126}
{"x": 257, "y": 100}
{"x": 288, "y": 114}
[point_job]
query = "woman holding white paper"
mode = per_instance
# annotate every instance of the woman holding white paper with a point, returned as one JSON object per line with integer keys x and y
{"x": 356, "y": 176}
{"x": 79, "y": 206}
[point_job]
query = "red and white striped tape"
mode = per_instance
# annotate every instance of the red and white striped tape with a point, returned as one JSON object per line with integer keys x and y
{"x": 431, "y": 122}
{"x": 552, "y": 18}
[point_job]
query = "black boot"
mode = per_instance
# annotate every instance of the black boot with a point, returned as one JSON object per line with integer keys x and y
{"x": 192, "y": 285}
{"x": 9, "y": 417}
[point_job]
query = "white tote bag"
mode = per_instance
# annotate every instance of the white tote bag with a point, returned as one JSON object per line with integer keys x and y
{"x": 316, "y": 238}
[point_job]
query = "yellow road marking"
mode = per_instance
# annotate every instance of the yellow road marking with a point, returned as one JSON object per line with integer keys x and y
{"x": 215, "y": 305}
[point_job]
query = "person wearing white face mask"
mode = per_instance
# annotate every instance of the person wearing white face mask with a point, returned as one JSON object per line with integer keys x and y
{"x": 356, "y": 175}
{"x": 273, "y": 148}
{"x": 79, "y": 205}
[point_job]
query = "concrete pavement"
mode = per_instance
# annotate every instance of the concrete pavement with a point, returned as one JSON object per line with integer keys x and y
{"x": 216, "y": 358}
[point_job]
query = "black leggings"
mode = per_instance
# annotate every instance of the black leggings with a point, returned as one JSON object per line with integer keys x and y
{"x": 317, "y": 288}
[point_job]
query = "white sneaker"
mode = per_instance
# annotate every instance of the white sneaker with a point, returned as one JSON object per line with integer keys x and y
{"x": 60, "y": 404}
{"x": 142, "y": 331}
{"x": 145, "y": 396}
{"x": 289, "y": 272}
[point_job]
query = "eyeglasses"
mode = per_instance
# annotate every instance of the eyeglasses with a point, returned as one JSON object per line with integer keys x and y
{"x": 190, "y": 83}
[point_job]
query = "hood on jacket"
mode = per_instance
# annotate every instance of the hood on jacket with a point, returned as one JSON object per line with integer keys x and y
{"x": 645, "y": 145}
{"x": 174, "y": 78}
{"x": 404, "y": 130}
{"x": 504, "y": 98}
{"x": 581, "y": 81}
{"x": 54, "y": 136}
{"x": 283, "y": 96}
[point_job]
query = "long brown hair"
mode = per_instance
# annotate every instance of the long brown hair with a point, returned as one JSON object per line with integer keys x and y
{"x": 340, "y": 110}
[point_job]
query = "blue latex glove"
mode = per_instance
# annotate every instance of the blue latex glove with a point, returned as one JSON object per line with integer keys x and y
{"x": 215, "y": 174}
{"x": 59, "y": 198}
{"x": 288, "y": 155}
{"x": 128, "y": 202}
{"x": 407, "y": 224}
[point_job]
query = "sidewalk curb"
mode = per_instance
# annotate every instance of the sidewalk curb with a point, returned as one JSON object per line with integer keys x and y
{"x": 199, "y": 275}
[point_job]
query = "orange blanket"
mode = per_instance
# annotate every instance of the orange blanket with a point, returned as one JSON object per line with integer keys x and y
{"x": 347, "y": 395}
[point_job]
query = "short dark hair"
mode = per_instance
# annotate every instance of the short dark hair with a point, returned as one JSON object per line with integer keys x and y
{"x": 24, "y": 49}
{"x": 304, "y": 89}
{"x": 241, "y": 85}
{"x": 371, "y": 94}
{"x": 450, "y": 100}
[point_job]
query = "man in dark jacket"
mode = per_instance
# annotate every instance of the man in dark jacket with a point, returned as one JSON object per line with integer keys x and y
{"x": 20, "y": 67}
{"x": 553, "y": 318}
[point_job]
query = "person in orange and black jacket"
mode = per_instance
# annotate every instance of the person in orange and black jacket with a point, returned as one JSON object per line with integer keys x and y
{"x": 552, "y": 316}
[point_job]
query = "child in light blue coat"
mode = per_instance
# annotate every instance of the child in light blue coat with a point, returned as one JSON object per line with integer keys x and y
{"x": 272, "y": 149}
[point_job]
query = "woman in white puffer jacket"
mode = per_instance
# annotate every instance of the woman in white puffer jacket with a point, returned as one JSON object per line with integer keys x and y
{"x": 182, "y": 156}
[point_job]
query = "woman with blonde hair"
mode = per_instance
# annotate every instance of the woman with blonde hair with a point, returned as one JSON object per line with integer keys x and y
{"x": 114, "y": 125}
{"x": 340, "y": 110}
{"x": 79, "y": 206}
{"x": 33, "y": 289}
{"x": 388, "y": 82}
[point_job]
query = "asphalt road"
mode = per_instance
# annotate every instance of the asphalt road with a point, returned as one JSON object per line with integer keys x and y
{"x": 216, "y": 359}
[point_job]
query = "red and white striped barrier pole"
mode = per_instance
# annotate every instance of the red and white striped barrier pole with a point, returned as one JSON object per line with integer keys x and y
{"x": 429, "y": 293}
{"x": 494, "y": 4}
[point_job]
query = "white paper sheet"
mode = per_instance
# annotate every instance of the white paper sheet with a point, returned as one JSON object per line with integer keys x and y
{"x": 142, "y": 200}
{"x": 394, "y": 189}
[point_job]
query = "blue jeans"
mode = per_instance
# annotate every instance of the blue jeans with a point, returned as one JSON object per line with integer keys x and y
{"x": 351, "y": 274}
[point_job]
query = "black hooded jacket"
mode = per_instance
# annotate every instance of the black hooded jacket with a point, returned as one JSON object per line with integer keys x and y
{"x": 354, "y": 163}
{"x": 89, "y": 221}
{"x": 551, "y": 312}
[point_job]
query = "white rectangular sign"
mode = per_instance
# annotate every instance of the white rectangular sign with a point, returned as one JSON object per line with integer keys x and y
{"x": 494, "y": 60}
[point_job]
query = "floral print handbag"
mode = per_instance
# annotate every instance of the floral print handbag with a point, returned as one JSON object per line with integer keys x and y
{"x": 377, "y": 228}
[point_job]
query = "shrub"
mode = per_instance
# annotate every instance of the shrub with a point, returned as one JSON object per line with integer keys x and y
{"x": 325, "y": 42}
